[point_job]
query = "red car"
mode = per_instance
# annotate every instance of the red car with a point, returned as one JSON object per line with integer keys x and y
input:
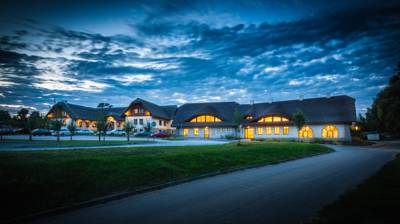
{"x": 161, "y": 135}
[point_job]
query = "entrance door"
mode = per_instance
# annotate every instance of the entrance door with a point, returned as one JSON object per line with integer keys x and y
{"x": 249, "y": 133}
{"x": 206, "y": 134}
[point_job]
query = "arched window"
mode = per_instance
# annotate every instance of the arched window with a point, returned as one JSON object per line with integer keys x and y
{"x": 205, "y": 118}
{"x": 273, "y": 119}
{"x": 306, "y": 132}
{"x": 330, "y": 131}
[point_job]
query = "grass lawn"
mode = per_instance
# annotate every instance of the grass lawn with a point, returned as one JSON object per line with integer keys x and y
{"x": 13, "y": 143}
{"x": 377, "y": 200}
{"x": 40, "y": 180}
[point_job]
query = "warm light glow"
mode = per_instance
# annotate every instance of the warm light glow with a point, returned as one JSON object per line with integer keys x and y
{"x": 147, "y": 113}
{"x": 330, "y": 131}
{"x": 260, "y": 131}
{"x": 273, "y": 119}
{"x": 268, "y": 130}
{"x": 285, "y": 130}
{"x": 195, "y": 131}
{"x": 248, "y": 117}
{"x": 185, "y": 131}
{"x": 205, "y": 118}
{"x": 110, "y": 119}
{"x": 206, "y": 133}
{"x": 306, "y": 132}
{"x": 277, "y": 130}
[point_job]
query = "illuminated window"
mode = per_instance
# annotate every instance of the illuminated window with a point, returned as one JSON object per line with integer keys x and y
{"x": 276, "y": 119}
{"x": 268, "y": 130}
{"x": 79, "y": 123}
{"x": 147, "y": 113}
{"x": 205, "y": 118}
{"x": 285, "y": 130}
{"x": 330, "y": 131}
{"x": 306, "y": 132}
{"x": 259, "y": 131}
{"x": 248, "y": 117}
{"x": 273, "y": 119}
{"x": 185, "y": 131}
{"x": 195, "y": 131}
{"x": 110, "y": 119}
{"x": 277, "y": 130}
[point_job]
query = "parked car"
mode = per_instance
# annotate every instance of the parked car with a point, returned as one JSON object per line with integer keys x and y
{"x": 161, "y": 135}
{"x": 116, "y": 132}
{"x": 18, "y": 131}
{"x": 6, "y": 131}
{"x": 143, "y": 134}
{"x": 63, "y": 132}
{"x": 84, "y": 132}
{"x": 39, "y": 132}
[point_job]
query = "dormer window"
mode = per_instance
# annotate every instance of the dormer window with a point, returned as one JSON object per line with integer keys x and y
{"x": 248, "y": 117}
{"x": 268, "y": 119}
{"x": 205, "y": 118}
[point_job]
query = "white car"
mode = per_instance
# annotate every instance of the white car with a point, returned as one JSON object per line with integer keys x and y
{"x": 116, "y": 132}
{"x": 63, "y": 132}
{"x": 84, "y": 132}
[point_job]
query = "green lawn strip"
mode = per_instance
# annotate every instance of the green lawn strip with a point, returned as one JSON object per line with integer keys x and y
{"x": 377, "y": 200}
{"x": 53, "y": 143}
{"x": 36, "y": 181}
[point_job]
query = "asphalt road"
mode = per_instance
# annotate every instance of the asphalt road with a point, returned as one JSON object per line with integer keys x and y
{"x": 290, "y": 192}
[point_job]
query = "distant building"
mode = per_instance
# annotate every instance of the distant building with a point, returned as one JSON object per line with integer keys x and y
{"x": 326, "y": 118}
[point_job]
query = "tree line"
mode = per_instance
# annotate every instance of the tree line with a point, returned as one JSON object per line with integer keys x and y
{"x": 383, "y": 115}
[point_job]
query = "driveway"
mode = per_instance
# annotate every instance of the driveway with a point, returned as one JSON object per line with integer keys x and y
{"x": 289, "y": 192}
{"x": 152, "y": 142}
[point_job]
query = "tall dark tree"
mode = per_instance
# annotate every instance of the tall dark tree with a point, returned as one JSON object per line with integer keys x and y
{"x": 383, "y": 115}
{"x": 102, "y": 125}
{"x": 237, "y": 120}
{"x": 34, "y": 121}
{"x": 56, "y": 121}
{"x": 5, "y": 118}
{"x": 299, "y": 120}
{"x": 21, "y": 120}
{"x": 5, "y": 121}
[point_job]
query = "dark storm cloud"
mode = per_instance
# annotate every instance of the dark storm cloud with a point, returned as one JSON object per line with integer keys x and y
{"x": 173, "y": 61}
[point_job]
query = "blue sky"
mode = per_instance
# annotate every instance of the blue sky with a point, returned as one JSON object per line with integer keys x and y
{"x": 172, "y": 52}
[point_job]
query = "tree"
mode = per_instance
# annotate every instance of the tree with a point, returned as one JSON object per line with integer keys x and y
{"x": 147, "y": 127}
{"x": 22, "y": 118}
{"x": 299, "y": 120}
{"x": 72, "y": 128}
{"x": 382, "y": 116}
{"x": 5, "y": 118}
{"x": 128, "y": 128}
{"x": 101, "y": 124}
{"x": 5, "y": 121}
{"x": 57, "y": 122}
{"x": 33, "y": 122}
{"x": 237, "y": 120}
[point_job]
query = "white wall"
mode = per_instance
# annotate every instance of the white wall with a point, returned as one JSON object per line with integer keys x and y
{"x": 212, "y": 131}
{"x": 149, "y": 119}
{"x": 344, "y": 132}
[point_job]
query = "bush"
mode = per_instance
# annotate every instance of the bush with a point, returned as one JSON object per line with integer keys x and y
{"x": 231, "y": 137}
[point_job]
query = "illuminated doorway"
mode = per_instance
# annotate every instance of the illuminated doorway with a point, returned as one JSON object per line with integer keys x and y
{"x": 249, "y": 133}
{"x": 206, "y": 134}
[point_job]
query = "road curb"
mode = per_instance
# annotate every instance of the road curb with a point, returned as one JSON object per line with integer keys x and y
{"x": 117, "y": 196}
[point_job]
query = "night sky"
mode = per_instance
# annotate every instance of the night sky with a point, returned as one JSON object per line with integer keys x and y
{"x": 173, "y": 52}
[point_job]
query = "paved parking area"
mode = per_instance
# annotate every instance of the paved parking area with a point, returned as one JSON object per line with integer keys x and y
{"x": 152, "y": 142}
